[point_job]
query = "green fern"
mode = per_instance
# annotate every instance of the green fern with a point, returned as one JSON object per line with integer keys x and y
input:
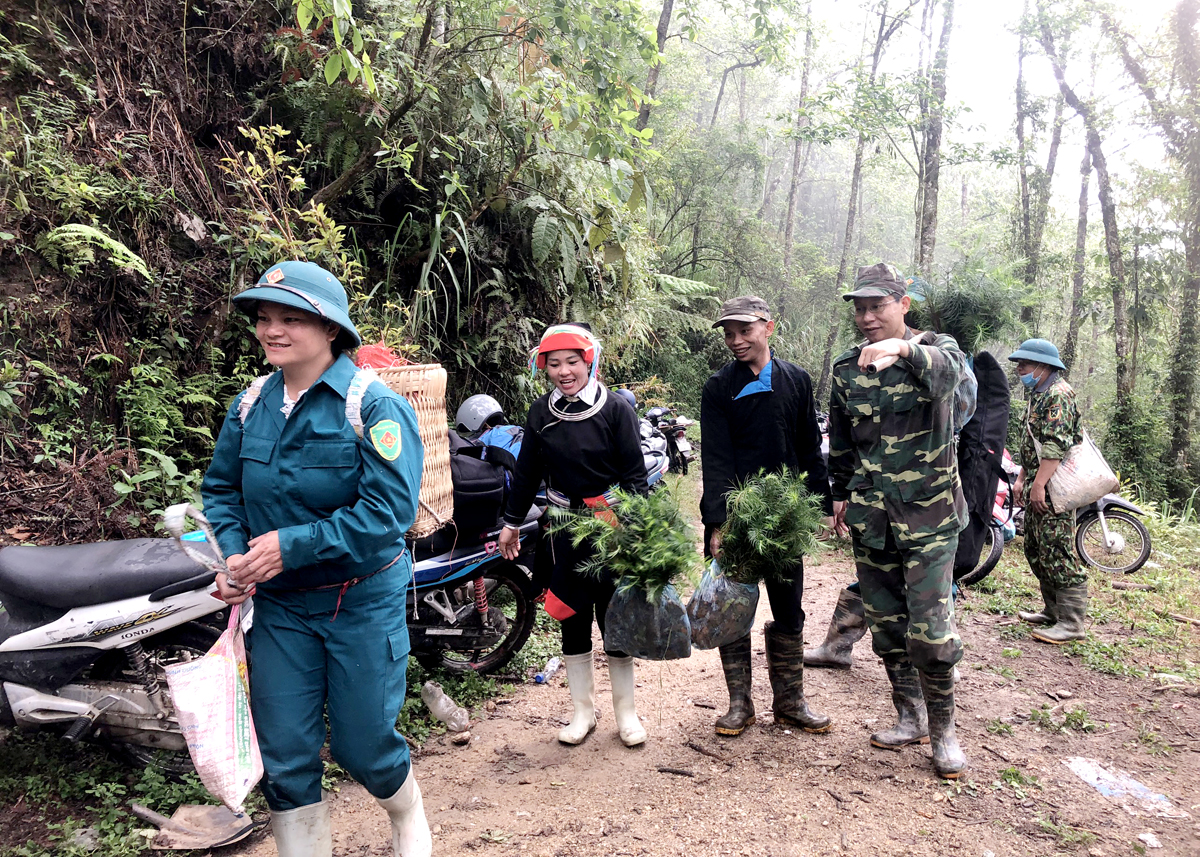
{"x": 651, "y": 546}
{"x": 773, "y": 521}
{"x": 74, "y": 246}
{"x": 543, "y": 236}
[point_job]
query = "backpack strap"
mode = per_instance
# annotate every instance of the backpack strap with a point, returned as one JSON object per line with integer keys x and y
{"x": 250, "y": 397}
{"x": 362, "y": 379}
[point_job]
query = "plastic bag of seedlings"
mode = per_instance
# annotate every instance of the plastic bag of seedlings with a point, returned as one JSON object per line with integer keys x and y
{"x": 654, "y": 630}
{"x": 721, "y": 610}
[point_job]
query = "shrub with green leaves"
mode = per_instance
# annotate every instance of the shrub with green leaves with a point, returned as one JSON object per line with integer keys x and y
{"x": 773, "y": 521}
{"x": 650, "y": 547}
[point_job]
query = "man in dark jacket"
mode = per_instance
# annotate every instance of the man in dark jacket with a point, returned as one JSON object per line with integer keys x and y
{"x": 758, "y": 413}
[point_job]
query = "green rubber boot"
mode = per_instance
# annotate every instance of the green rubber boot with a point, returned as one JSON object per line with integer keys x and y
{"x": 948, "y": 758}
{"x": 785, "y": 665}
{"x": 1047, "y": 614}
{"x": 847, "y": 627}
{"x": 912, "y": 721}
{"x": 1071, "y": 610}
{"x": 735, "y": 662}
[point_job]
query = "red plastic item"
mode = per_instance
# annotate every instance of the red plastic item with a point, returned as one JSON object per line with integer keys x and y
{"x": 377, "y": 356}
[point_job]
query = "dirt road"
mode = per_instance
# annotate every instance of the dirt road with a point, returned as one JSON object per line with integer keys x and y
{"x": 772, "y": 793}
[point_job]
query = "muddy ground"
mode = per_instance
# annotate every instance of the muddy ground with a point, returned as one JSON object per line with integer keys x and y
{"x": 513, "y": 790}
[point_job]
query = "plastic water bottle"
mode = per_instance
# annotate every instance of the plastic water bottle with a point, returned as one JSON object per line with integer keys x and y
{"x": 547, "y": 673}
{"x": 445, "y": 709}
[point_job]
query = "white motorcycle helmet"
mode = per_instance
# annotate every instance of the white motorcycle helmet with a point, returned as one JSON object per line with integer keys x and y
{"x": 477, "y": 413}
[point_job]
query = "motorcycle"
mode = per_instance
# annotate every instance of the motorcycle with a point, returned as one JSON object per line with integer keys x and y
{"x": 1108, "y": 536}
{"x": 674, "y": 429}
{"x": 86, "y": 632}
{"x": 470, "y": 609}
{"x": 1107, "y": 533}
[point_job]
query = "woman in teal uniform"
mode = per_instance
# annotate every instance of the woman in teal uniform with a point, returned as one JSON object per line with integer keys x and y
{"x": 312, "y": 486}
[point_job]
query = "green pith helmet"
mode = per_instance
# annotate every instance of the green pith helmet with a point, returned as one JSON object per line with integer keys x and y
{"x": 305, "y": 286}
{"x": 1038, "y": 351}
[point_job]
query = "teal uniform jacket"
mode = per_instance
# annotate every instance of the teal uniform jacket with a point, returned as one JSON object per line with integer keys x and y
{"x": 341, "y": 503}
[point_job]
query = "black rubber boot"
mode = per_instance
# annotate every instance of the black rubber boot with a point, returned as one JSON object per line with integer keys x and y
{"x": 785, "y": 665}
{"x": 1047, "y": 615}
{"x": 846, "y": 628}
{"x": 912, "y": 720}
{"x": 735, "y": 661}
{"x": 1071, "y": 611}
{"x": 948, "y": 758}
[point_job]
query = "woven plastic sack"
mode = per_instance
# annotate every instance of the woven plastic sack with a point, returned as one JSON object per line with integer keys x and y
{"x": 1082, "y": 477}
{"x": 654, "y": 631}
{"x": 721, "y": 610}
{"x": 211, "y": 697}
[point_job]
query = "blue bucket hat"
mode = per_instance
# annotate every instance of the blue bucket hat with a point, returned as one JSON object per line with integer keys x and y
{"x": 1039, "y": 351}
{"x": 305, "y": 286}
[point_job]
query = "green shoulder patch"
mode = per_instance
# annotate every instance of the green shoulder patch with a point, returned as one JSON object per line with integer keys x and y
{"x": 385, "y": 437}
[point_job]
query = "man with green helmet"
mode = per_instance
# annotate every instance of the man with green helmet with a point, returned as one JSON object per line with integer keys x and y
{"x": 1051, "y": 428}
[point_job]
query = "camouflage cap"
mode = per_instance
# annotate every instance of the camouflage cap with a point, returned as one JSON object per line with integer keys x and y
{"x": 878, "y": 281}
{"x": 744, "y": 308}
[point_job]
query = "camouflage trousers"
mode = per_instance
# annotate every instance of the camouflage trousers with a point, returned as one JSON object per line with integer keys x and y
{"x": 1050, "y": 548}
{"x": 906, "y": 592}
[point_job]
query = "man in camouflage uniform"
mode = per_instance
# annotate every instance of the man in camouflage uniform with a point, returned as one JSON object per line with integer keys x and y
{"x": 1051, "y": 428}
{"x": 895, "y": 484}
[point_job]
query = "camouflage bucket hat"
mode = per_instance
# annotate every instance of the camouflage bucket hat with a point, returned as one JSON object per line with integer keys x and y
{"x": 744, "y": 308}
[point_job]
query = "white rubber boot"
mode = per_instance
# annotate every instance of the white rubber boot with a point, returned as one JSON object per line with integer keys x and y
{"x": 582, "y": 681}
{"x": 304, "y": 831}
{"x": 620, "y": 673}
{"x": 410, "y": 830}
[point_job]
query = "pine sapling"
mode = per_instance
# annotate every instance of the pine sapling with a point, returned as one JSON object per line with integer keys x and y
{"x": 772, "y": 523}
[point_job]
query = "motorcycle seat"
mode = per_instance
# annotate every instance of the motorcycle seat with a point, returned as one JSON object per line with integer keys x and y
{"x": 79, "y": 575}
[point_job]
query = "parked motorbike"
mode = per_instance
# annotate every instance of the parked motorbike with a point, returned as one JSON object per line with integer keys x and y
{"x": 86, "y": 632}
{"x": 1108, "y": 536}
{"x": 470, "y": 609}
{"x": 674, "y": 429}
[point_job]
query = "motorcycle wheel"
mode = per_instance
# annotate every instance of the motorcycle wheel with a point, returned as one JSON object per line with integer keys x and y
{"x": 1134, "y": 547}
{"x": 177, "y": 645}
{"x": 511, "y": 593}
{"x": 989, "y": 556}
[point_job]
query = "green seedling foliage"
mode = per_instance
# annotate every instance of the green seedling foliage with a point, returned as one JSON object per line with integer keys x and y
{"x": 651, "y": 545}
{"x": 999, "y": 727}
{"x": 773, "y": 521}
{"x": 1066, "y": 833}
{"x": 1078, "y": 720}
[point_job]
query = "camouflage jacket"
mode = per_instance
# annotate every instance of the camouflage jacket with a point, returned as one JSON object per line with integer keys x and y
{"x": 891, "y": 443}
{"x": 1053, "y": 418}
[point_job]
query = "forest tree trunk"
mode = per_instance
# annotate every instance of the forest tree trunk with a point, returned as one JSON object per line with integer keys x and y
{"x": 664, "y": 25}
{"x": 1108, "y": 214}
{"x": 1078, "y": 265}
{"x": 1179, "y": 123}
{"x": 801, "y": 122}
{"x": 931, "y": 171}
{"x": 886, "y": 29}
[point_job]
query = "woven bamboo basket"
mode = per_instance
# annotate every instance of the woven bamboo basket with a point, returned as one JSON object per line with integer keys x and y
{"x": 424, "y": 385}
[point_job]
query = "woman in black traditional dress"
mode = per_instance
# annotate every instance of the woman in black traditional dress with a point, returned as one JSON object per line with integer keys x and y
{"x": 582, "y": 442}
